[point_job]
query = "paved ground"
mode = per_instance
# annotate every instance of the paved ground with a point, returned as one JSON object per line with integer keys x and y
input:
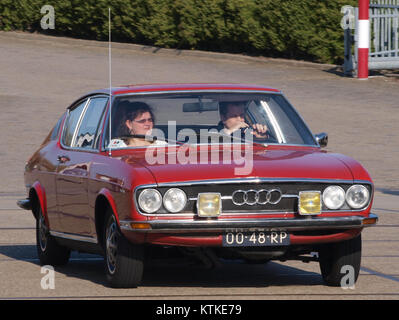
{"x": 40, "y": 76}
{"x": 83, "y": 277}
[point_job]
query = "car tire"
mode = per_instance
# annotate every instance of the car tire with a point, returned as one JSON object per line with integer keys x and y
{"x": 48, "y": 250}
{"x": 335, "y": 256}
{"x": 123, "y": 260}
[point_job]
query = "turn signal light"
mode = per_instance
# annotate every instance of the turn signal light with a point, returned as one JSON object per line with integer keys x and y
{"x": 140, "y": 226}
{"x": 369, "y": 221}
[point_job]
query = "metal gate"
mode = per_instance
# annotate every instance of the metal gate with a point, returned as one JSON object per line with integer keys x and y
{"x": 384, "y": 40}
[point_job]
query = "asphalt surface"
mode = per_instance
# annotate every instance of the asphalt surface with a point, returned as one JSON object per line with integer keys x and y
{"x": 40, "y": 76}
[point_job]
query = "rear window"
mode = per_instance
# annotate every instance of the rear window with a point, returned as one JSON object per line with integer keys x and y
{"x": 56, "y": 130}
{"x": 89, "y": 129}
{"x": 71, "y": 124}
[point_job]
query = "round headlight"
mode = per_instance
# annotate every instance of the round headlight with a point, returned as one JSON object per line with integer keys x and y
{"x": 150, "y": 200}
{"x": 357, "y": 196}
{"x": 334, "y": 197}
{"x": 174, "y": 200}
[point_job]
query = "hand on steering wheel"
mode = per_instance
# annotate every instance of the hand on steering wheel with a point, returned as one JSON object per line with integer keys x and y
{"x": 257, "y": 130}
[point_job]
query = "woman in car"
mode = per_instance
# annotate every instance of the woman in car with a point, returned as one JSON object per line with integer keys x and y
{"x": 136, "y": 121}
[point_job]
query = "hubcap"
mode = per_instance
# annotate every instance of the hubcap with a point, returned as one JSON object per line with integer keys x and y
{"x": 111, "y": 246}
{"x": 43, "y": 234}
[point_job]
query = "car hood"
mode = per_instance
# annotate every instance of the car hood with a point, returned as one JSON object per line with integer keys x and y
{"x": 303, "y": 163}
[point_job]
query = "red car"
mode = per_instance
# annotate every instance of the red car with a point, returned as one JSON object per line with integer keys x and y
{"x": 215, "y": 171}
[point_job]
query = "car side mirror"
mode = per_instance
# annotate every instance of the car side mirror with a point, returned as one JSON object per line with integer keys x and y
{"x": 322, "y": 139}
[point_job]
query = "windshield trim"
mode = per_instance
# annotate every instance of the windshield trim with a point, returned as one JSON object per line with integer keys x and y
{"x": 303, "y": 121}
{"x": 117, "y": 96}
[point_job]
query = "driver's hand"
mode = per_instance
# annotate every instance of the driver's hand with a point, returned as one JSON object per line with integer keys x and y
{"x": 238, "y": 126}
{"x": 259, "y": 130}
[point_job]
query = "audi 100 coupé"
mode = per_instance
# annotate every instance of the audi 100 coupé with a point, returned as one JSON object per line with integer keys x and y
{"x": 215, "y": 171}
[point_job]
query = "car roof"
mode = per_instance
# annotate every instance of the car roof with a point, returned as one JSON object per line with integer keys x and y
{"x": 170, "y": 87}
{"x": 134, "y": 88}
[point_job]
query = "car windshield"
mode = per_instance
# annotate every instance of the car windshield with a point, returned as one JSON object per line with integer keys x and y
{"x": 205, "y": 118}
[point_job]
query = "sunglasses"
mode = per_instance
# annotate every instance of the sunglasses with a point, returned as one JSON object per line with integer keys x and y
{"x": 142, "y": 121}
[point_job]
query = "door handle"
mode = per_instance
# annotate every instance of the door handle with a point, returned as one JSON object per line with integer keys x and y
{"x": 63, "y": 159}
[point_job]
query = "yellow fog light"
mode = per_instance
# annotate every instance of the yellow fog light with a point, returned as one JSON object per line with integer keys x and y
{"x": 209, "y": 204}
{"x": 309, "y": 202}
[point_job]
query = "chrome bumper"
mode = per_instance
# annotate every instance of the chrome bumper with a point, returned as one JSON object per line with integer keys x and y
{"x": 296, "y": 224}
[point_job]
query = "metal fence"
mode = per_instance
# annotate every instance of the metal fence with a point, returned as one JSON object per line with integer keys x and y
{"x": 384, "y": 44}
{"x": 384, "y": 37}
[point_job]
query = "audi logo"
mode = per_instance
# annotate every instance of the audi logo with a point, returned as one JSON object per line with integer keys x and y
{"x": 253, "y": 197}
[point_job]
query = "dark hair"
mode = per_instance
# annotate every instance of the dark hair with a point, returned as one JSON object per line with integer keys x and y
{"x": 224, "y": 106}
{"x": 129, "y": 111}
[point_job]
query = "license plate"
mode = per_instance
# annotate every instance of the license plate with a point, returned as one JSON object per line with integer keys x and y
{"x": 256, "y": 239}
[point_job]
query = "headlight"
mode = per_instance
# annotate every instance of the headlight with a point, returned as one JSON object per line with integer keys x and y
{"x": 150, "y": 200}
{"x": 174, "y": 200}
{"x": 334, "y": 197}
{"x": 357, "y": 196}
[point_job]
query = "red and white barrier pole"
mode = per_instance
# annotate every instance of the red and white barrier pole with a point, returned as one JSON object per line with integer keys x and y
{"x": 363, "y": 41}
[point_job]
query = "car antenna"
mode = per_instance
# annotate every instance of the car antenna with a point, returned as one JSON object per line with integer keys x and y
{"x": 109, "y": 75}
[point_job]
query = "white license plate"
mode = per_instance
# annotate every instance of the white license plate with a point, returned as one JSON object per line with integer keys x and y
{"x": 256, "y": 239}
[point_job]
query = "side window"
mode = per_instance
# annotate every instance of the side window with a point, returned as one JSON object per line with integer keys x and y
{"x": 70, "y": 124}
{"x": 90, "y": 126}
{"x": 56, "y": 129}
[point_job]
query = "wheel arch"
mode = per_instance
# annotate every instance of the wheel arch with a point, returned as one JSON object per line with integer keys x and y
{"x": 103, "y": 203}
{"x": 37, "y": 196}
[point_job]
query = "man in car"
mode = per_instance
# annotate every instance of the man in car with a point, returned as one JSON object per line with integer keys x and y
{"x": 232, "y": 119}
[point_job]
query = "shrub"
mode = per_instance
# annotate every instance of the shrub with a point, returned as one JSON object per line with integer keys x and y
{"x": 299, "y": 29}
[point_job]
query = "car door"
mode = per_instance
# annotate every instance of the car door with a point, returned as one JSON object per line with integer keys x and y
{"x": 78, "y": 146}
{"x": 46, "y": 165}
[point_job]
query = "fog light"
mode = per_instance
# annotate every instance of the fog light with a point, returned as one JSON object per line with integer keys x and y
{"x": 309, "y": 202}
{"x": 209, "y": 204}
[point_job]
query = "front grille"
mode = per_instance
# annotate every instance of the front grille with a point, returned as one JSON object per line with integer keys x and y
{"x": 288, "y": 202}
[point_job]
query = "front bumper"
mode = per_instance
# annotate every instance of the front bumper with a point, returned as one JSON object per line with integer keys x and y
{"x": 24, "y": 204}
{"x": 213, "y": 225}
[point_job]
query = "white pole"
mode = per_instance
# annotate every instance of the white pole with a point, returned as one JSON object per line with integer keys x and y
{"x": 364, "y": 36}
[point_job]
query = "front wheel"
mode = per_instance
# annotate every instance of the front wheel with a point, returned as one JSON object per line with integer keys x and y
{"x": 123, "y": 260}
{"x": 339, "y": 260}
{"x": 48, "y": 250}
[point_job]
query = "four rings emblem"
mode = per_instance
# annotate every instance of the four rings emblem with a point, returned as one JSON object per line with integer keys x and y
{"x": 253, "y": 197}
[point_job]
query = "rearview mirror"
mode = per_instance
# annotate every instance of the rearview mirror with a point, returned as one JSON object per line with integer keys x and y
{"x": 200, "y": 106}
{"x": 322, "y": 139}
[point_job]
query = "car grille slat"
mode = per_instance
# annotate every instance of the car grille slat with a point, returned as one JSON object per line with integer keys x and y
{"x": 287, "y": 204}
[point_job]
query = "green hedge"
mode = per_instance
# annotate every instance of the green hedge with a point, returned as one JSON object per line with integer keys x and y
{"x": 300, "y": 29}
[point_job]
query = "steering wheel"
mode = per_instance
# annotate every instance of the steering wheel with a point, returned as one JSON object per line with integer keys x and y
{"x": 268, "y": 138}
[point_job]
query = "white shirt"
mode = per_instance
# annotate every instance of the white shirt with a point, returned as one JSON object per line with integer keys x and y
{"x": 119, "y": 143}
